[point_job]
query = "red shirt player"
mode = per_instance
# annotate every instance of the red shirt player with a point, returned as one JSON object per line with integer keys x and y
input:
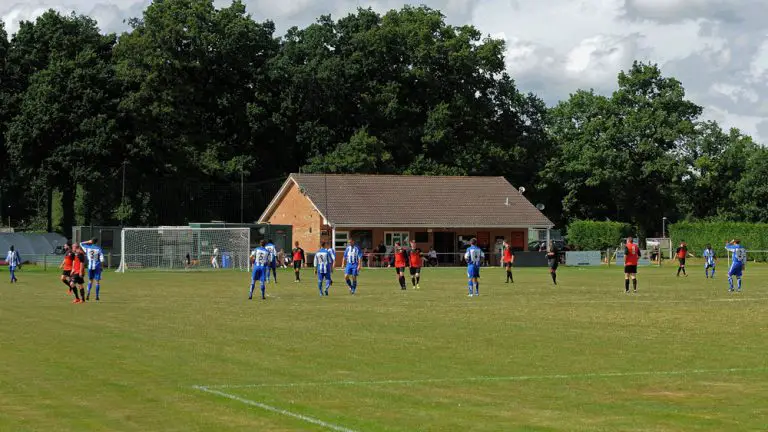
{"x": 682, "y": 253}
{"x": 631, "y": 257}
{"x": 298, "y": 260}
{"x": 78, "y": 274}
{"x": 415, "y": 260}
{"x": 401, "y": 262}
{"x": 66, "y": 267}
{"x": 508, "y": 257}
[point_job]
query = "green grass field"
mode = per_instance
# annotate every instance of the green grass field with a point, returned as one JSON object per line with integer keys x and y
{"x": 681, "y": 355}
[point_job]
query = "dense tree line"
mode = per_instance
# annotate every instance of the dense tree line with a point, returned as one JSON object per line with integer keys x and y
{"x": 197, "y": 94}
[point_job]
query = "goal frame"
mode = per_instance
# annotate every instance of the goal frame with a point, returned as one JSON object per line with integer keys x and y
{"x": 246, "y": 235}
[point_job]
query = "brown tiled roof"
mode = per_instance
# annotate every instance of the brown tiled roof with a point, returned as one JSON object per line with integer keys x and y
{"x": 415, "y": 201}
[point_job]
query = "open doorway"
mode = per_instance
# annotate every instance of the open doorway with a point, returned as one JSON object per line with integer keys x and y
{"x": 445, "y": 246}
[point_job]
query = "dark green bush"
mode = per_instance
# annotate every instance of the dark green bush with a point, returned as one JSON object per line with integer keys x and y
{"x": 698, "y": 234}
{"x": 594, "y": 235}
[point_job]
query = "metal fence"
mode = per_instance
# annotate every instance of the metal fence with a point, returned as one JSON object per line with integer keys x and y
{"x": 377, "y": 260}
{"x": 51, "y": 262}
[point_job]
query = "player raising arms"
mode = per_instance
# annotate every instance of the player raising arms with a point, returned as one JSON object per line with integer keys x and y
{"x": 416, "y": 260}
{"x": 66, "y": 266}
{"x": 738, "y": 263}
{"x": 508, "y": 258}
{"x": 710, "y": 261}
{"x": 260, "y": 257}
{"x": 553, "y": 261}
{"x": 352, "y": 261}
{"x": 631, "y": 258}
{"x": 95, "y": 262}
{"x": 78, "y": 273}
{"x": 299, "y": 259}
{"x": 324, "y": 259}
{"x": 681, "y": 253}
{"x": 401, "y": 262}
{"x": 272, "y": 264}
{"x": 474, "y": 258}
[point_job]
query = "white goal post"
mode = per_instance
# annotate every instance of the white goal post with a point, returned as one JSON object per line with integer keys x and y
{"x": 185, "y": 248}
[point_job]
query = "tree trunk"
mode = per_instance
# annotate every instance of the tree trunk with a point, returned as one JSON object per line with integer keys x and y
{"x": 68, "y": 209}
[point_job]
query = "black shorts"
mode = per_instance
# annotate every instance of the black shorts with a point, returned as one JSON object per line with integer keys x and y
{"x": 297, "y": 264}
{"x": 630, "y": 269}
{"x": 508, "y": 265}
{"x": 415, "y": 270}
{"x": 78, "y": 279}
{"x": 682, "y": 261}
{"x": 399, "y": 270}
{"x": 554, "y": 266}
{"x": 66, "y": 273}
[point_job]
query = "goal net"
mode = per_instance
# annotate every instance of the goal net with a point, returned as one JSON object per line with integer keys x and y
{"x": 181, "y": 248}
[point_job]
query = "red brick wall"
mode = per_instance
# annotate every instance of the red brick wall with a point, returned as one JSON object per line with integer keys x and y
{"x": 296, "y": 210}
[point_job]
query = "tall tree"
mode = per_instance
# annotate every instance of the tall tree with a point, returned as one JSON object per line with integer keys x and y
{"x": 434, "y": 97}
{"x": 6, "y": 190}
{"x": 61, "y": 133}
{"x": 715, "y": 161}
{"x": 192, "y": 81}
{"x": 750, "y": 194}
{"x": 616, "y": 155}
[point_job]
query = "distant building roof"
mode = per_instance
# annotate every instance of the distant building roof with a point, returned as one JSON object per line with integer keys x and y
{"x": 414, "y": 201}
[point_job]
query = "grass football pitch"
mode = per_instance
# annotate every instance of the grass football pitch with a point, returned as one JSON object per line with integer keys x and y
{"x": 188, "y": 352}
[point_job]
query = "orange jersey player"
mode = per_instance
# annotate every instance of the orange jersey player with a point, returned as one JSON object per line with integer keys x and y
{"x": 631, "y": 258}
{"x": 416, "y": 261}
{"x": 66, "y": 267}
{"x": 682, "y": 254}
{"x": 401, "y": 262}
{"x": 77, "y": 278}
{"x": 508, "y": 258}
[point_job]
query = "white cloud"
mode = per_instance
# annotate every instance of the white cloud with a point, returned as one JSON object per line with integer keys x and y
{"x": 595, "y": 60}
{"x": 735, "y": 93}
{"x": 748, "y": 124}
{"x": 758, "y": 68}
{"x": 717, "y": 48}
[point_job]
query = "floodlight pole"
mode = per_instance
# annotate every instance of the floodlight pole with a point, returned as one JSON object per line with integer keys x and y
{"x": 122, "y": 201}
{"x": 242, "y": 189}
{"x": 664, "y": 235}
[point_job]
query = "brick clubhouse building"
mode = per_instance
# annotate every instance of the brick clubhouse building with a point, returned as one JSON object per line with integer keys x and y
{"x": 436, "y": 211}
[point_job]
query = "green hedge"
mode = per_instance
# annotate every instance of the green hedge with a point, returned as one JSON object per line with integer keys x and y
{"x": 698, "y": 234}
{"x": 594, "y": 235}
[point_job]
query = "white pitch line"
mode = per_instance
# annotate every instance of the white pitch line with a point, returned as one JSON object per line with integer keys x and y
{"x": 266, "y": 407}
{"x": 660, "y": 300}
{"x": 485, "y": 378}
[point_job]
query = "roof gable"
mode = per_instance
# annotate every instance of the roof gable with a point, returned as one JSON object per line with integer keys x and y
{"x": 415, "y": 201}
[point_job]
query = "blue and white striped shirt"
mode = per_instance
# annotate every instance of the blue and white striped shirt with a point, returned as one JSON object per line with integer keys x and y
{"x": 12, "y": 259}
{"x": 324, "y": 261}
{"x": 739, "y": 255}
{"x": 272, "y": 252}
{"x": 709, "y": 257}
{"x": 261, "y": 257}
{"x": 474, "y": 256}
{"x": 352, "y": 254}
{"x": 94, "y": 254}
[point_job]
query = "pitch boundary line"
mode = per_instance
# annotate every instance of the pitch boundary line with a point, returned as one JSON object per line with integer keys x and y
{"x": 659, "y": 300}
{"x": 212, "y": 388}
{"x": 275, "y": 410}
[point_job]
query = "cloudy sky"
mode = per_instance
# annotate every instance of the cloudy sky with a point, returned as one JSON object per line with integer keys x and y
{"x": 717, "y": 48}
